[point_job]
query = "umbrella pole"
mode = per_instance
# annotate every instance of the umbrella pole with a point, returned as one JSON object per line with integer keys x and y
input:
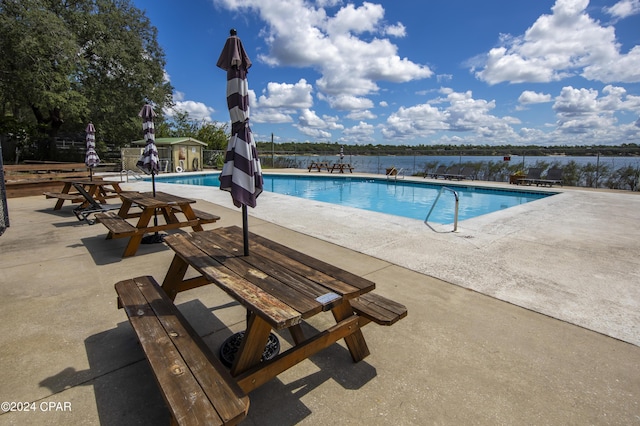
{"x": 245, "y": 229}
{"x": 155, "y": 212}
{"x": 155, "y": 238}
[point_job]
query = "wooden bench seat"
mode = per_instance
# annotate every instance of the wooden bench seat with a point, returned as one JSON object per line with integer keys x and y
{"x": 75, "y": 198}
{"x": 196, "y": 387}
{"x": 118, "y": 227}
{"x": 205, "y": 217}
{"x": 378, "y": 309}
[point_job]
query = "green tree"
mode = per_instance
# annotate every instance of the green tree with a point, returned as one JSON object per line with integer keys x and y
{"x": 65, "y": 63}
{"x": 182, "y": 125}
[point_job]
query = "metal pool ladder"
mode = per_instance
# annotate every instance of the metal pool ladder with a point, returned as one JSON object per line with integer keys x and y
{"x": 455, "y": 214}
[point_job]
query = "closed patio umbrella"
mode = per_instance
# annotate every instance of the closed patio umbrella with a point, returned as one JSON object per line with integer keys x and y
{"x": 241, "y": 173}
{"x": 149, "y": 161}
{"x": 91, "y": 158}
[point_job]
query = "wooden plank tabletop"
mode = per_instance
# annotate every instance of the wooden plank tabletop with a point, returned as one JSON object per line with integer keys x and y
{"x": 161, "y": 199}
{"x": 284, "y": 276}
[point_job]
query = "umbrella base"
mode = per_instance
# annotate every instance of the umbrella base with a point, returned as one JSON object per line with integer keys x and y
{"x": 153, "y": 238}
{"x": 230, "y": 347}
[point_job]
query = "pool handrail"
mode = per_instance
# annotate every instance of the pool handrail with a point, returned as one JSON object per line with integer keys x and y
{"x": 455, "y": 214}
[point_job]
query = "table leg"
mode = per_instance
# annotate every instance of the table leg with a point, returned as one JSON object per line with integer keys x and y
{"x": 355, "y": 342}
{"x": 116, "y": 187}
{"x": 60, "y": 202}
{"x": 190, "y": 215}
{"x": 134, "y": 241}
{"x": 252, "y": 347}
{"x": 174, "y": 277}
{"x": 297, "y": 334}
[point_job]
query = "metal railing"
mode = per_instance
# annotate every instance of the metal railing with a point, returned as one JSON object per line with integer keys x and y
{"x": 136, "y": 176}
{"x": 455, "y": 213}
{"x": 399, "y": 174}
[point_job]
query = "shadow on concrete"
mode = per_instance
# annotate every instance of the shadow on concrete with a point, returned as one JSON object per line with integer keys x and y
{"x": 126, "y": 391}
{"x": 105, "y": 252}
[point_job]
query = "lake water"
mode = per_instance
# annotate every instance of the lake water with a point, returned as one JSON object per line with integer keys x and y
{"x": 416, "y": 163}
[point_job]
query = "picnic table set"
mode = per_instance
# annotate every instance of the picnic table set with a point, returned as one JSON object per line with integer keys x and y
{"x": 280, "y": 288}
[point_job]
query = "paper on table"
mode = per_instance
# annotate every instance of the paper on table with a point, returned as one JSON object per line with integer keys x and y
{"x": 326, "y": 298}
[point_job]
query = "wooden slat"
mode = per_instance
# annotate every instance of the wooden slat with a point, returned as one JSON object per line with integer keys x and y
{"x": 275, "y": 312}
{"x": 180, "y": 389}
{"x": 206, "y": 217}
{"x": 340, "y": 274}
{"x": 63, "y": 196}
{"x": 378, "y": 309}
{"x": 47, "y": 167}
{"x": 297, "y": 275}
{"x": 117, "y": 226}
{"x": 276, "y": 282}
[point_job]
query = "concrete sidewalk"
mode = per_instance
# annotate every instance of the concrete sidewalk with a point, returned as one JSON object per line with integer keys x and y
{"x": 460, "y": 357}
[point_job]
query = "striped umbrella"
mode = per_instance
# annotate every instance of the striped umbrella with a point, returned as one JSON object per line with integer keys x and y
{"x": 91, "y": 158}
{"x": 149, "y": 162}
{"x": 241, "y": 174}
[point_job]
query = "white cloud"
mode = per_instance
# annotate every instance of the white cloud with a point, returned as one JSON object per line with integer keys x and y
{"x": 360, "y": 133}
{"x": 585, "y": 111}
{"x": 567, "y": 42}
{"x": 460, "y": 113}
{"x": 328, "y": 3}
{"x": 531, "y": 97}
{"x": 624, "y": 9}
{"x": 383, "y": 104}
{"x": 310, "y": 124}
{"x": 361, "y": 115}
{"x": 283, "y": 95}
{"x": 397, "y": 30}
{"x": 302, "y": 35}
{"x": 197, "y": 110}
{"x": 348, "y": 102}
{"x": 350, "y": 19}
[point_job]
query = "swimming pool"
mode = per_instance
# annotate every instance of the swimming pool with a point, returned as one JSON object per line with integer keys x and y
{"x": 400, "y": 198}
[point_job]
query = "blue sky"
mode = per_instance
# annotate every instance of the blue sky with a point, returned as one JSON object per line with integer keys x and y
{"x": 544, "y": 72}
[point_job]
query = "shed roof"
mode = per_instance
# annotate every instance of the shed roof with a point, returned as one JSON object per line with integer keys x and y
{"x": 172, "y": 141}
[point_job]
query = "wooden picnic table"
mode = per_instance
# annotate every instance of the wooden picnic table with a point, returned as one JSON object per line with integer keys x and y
{"x": 96, "y": 187}
{"x": 167, "y": 205}
{"x": 341, "y": 167}
{"x": 280, "y": 287}
{"x": 319, "y": 165}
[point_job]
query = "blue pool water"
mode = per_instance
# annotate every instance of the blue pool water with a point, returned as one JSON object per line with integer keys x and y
{"x": 400, "y": 198}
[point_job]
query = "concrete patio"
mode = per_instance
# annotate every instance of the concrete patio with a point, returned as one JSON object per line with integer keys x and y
{"x": 524, "y": 317}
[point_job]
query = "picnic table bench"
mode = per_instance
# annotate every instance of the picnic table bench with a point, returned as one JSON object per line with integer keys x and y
{"x": 23, "y": 180}
{"x": 341, "y": 167}
{"x": 96, "y": 187}
{"x": 319, "y": 165}
{"x": 196, "y": 387}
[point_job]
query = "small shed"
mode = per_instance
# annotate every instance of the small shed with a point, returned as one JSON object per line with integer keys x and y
{"x": 178, "y": 154}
